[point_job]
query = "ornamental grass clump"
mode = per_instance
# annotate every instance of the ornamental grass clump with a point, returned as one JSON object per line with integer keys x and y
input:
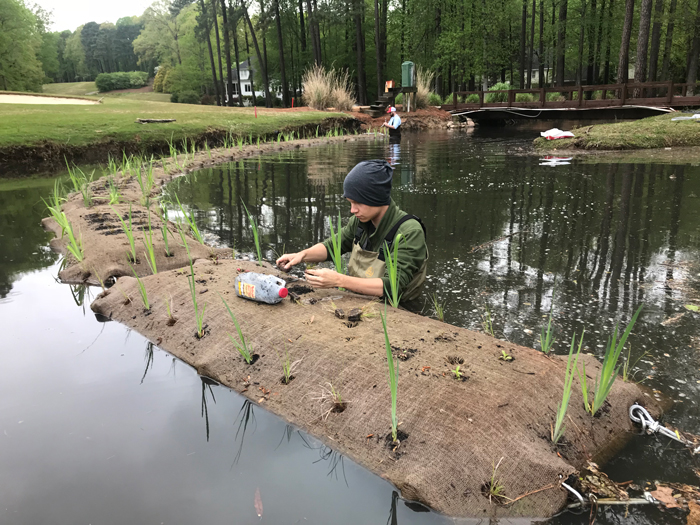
{"x": 392, "y": 265}
{"x": 327, "y": 88}
{"x": 393, "y": 378}
{"x": 254, "y": 228}
{"x": 571, "y": 367}
{"x": 609, "y": 371}
{"x": 129, "y": 231}
{"x": 424, "y": 77}
{"x": 240, "y": 343}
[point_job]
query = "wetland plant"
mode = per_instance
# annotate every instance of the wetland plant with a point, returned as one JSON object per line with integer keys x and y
{"x": 254, "y": 227}
{"x": 206, "y": 147}
{"x": 198, "y": 313}
{"x": 81, "y": 183}
{"x": 240, "y": 343}
{"x": 150, "y": 248}
{"x": 54, "y": 207}
{"x": 114, "y": 195}
{"x": 287, "y": 366}
{"x": 146, "y": 181}
{"x": 129, "y": 231}
{"x": 546, "y": 337}
{"x": 75, "y": 246}
{"x": 494, "y": 489}
{"x": 191, "y": 222}
{"x": 392, "y": 266}
{"x": 164, "y": 232}
{"x": 438, "y": 308}
{"x": 457, "y": 373}
{"x": 609, "y": 371}
{"x": 142, "y": 290}
{"x": 571, "y": 367}
{"x": 487, "y": 322}
{"x": 336, "y": 253}
{"x": 169, "y": 309}
{"x": 628, "y": 365}
{"x": 393, "y": 378}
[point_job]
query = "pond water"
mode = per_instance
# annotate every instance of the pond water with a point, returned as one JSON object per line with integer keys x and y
{"x": 99, "y": 426}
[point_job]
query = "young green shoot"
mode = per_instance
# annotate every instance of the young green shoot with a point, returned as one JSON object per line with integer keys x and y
{"x": 191, "y": 222}
{"x": 150, "y": 253}
{"x": 239, "y": 342}
{"x": 629, "y": 365}
{"x": 457, "y": 373}
{"x": 438, "y": 308}
{"x": 169, "y": 309}
{"x": 75, "y": 246}
{"x": 486, "y": 322}
{"x": 336, "y": 252}
{"x": 393, "y": 378}
{"x": 287, "y": 366}
{"x": 495, "y": 488}
{"x": 129, "y": 231}
{"x": 609, "y": 371}
{"x": 164, "y": 232}
{"x": 392, "y": 266}
{"x": 198, "y": 313}
{"x": 142, "y": 289}
{"x": 547, "y": 337}
{"x": 505, "y": 356}
{"x": 206, "y": 147}
{"x": 571, "y": 367}
{"x": 254, "y": 227}
{"x": 114, "y": 195}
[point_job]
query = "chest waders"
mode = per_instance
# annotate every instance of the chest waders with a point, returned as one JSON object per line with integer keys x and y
{"x": 367, "y": 264}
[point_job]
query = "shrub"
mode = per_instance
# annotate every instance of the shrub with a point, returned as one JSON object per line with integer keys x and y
{"x": 424, "y": 77}
{"x": 524, "y": 97}
{"x": 472, "y": 99}
{"x": 188, "y": 97}
{"x": 260, "y": 101}
{"x": 327, "y": 88}
{"x": 174, "y": 97}
{"x": 434, "y": 99}
{"x": 555, "y": 97}
{"x": 160, "y": 77}
{"x": 208, "y": 100}
{"x": 121, "y": 80}
{"x": 399, "y": 99}
{"x": 498, "y": 97}
{"x": 276, "y": 102}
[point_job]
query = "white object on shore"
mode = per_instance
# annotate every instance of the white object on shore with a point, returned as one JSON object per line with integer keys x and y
{"x": 556, "y": 133}
{"x": 694, "y": 117}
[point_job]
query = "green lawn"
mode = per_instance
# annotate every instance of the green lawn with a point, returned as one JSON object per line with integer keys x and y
{"x": 70, "y": 88}
{"x": 114, "y": 120}
{"x": 648, "y": 133}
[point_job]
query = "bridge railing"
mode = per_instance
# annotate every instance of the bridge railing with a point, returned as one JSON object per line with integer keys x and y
{"x": 667, "y": 94}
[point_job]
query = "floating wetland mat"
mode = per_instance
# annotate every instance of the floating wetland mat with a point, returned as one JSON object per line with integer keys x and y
{"x": 452, "y": 432}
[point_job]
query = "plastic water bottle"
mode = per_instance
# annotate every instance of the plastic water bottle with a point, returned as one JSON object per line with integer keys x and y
{"x": 260, "y": 287}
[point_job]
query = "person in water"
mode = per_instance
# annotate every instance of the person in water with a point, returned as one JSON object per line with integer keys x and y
{"x": 376, "y": 219}
{"x": 394, "y": 123}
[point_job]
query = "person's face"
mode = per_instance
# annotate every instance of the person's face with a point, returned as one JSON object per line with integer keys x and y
{"x": 363, "y": 212}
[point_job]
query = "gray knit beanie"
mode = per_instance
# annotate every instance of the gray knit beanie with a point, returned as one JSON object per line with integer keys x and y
{"x": 369, "y": 183}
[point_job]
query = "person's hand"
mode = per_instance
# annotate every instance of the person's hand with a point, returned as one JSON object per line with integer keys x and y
{"x": 286, "y": 261}
{"x": 323, "y": 278}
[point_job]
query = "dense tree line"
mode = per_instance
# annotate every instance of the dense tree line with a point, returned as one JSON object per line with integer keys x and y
{"x": 467, "y": 43}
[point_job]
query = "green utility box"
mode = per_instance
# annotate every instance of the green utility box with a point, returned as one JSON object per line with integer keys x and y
{"x": 408, "y": 74}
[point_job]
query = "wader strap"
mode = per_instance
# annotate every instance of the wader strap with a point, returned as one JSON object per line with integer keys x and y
{"x": 392, "y": 233}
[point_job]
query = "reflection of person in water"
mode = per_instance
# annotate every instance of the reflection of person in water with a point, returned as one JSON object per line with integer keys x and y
{"x": 394, "y": 152}
{"x": 394, "y": 123}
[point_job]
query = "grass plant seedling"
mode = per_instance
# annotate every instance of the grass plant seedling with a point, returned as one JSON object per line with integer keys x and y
{"x": 75, "y": 246}
{"x": 198, "y": 313}
{"x": 169, "y": 309}
{"x": 438, "y": 308}
{"x": 240, "y": 343}
{"x": 336, "y": 252}
{"x": 393, "y": 378}
{"x": 81, "y": 183}
{"x": 114, "y": 195}
{"x": 392, "y": 266}
{"x": 547, "y": 337}
{"x": 457, "y": 373}
{"x": 142, "y": 290}
{"x": 129, "y": 231}
{"x": 495, "y": 488}
{"x": 571, "y": 367}
{"x": 254, "y": 227}
{"x": 150, "y": 253}
{"x": 487, "y": 322}
{"x": 54, "y": 206}
{"x": 287, "y": 365}
{"x": 609, "y": 371}
{"x": 191, "y": 222}
{"x": 628, "y": 365}
{"x": 146, "y": 181}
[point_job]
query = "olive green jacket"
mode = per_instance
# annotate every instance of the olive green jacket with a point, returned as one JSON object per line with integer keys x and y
{"x": 412, "y": 250}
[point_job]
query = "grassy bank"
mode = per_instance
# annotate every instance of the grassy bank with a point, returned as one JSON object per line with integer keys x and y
{"x": 42, "y": 133}
{"x": 70, "y": 88}
{"x": 648, "y": 133}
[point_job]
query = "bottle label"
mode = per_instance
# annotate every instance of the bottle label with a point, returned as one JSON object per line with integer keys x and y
{"x": 246, "y": 290}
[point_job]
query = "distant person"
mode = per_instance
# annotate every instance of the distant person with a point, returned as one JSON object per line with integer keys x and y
{"x": 394, "y": 124}
{"x": 376, "y": 219}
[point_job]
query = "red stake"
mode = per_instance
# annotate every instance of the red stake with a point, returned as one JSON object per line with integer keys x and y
{"x": 292, "y": 102}
{"x": 256, "y": 111}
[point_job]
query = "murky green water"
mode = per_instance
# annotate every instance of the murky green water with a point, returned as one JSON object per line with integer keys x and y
{"x": 100, "y": 428}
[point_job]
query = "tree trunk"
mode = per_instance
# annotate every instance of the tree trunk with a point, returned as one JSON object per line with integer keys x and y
{"x": 561, "y": 43}
{"x": 283, "y": 73}
{"x": 579, "y": 68}
{"x": 403, "y": 29}
{"x": 640, "y": 70}
{"x": 313, "y": 33}
{"x": 360, "y": 45}
{"x": 541, "y": 49}
{"x": 608, "y": 45}
{"x": 378, "y": 48}
{"x": 694, "y": 56}
{"x": 553, "y": 61}
{"x": 655, "y": 40}
{"x": 217, "y": 93}
{"x": 218, "y": 51}
{"x": 592, "y": 30}
{"x": 263, "y": 29}
{"x": 523, "y": 39}
{"x": 257, "y": 52}
{"x": 623, "y": 62}
{"x": 599, "y": 45}
{"x": 669, "y": 42}
{"x": 227, "y": 50}
{"x": 302, "y": 29}
{"x": 383, "y": 36}
{"x": 234, "y": 34}
{"x": 532, "y": 45}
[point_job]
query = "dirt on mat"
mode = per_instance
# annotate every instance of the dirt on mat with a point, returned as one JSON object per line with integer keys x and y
{"x": 453, "y": 431}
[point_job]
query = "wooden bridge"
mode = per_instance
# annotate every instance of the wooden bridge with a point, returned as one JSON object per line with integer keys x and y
{"x": 630, "y": 100}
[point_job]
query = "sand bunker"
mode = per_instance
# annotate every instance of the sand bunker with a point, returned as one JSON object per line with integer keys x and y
{"x": 453, "y": 431}
{"x": 35, "y": 99}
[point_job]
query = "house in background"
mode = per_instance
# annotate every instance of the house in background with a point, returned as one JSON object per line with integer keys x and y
{"x": 244, "y": 85}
